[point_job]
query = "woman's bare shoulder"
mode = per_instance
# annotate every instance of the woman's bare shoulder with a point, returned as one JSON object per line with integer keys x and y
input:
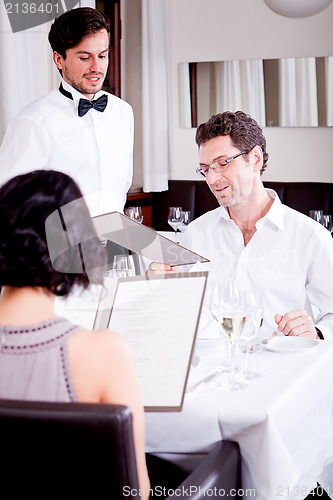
{"x": 99, "y": 342}
{"x": 97, "y": 358}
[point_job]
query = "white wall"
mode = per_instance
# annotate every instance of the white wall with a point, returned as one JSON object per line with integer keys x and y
{"x": 240, "y": 29}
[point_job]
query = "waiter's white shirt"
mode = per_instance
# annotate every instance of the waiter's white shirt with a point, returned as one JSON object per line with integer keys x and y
{"x": 288, "y": 261}
{"x": 96, "y": 149}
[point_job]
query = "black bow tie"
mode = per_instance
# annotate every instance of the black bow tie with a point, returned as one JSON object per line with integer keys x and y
{"x": 98, "y": 104}
{"x": 84, "y": 104}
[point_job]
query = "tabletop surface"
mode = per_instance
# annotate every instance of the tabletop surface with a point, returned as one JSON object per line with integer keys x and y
{"x": 282, "y": 420}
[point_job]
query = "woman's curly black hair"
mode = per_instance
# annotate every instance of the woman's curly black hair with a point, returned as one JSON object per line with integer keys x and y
{"x": 47, "y": 237}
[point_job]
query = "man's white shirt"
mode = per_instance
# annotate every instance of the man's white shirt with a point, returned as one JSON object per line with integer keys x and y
{"x": 288, "y": 261}
{"x": 96, "y": 149}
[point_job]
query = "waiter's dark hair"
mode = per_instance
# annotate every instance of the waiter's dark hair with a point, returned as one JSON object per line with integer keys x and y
{"x": 70, "y": 28}
{"x": 53, "y": 252}
{"x": 243, "y": 130}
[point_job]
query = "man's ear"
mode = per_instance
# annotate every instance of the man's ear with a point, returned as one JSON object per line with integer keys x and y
{"x": 258, "y": 159}
{"x": 58, "y": 60}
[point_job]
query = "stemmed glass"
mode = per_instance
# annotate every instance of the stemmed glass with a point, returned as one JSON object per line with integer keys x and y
{"x": 186, "y": 215}
{"x": 327, "y": 222}
{"x": 122, "y": 266}
{"x": 175, "y": 219}
{"x": 134, "y": 213}
{"x": 254, "y": 320}
{"x": 228, "y": 307}
{"x": 317, "y": 215}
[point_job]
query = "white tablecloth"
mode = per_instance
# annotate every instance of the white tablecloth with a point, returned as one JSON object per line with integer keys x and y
{"x": 282, "y": 421}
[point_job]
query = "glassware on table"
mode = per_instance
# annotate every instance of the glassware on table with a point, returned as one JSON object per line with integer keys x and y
{"x": 175, "y": 219}
{"x": 122, "y": 267}
{"x": 254, "y": 320}
{"x": 228, "y": 307}
{"x": 134, "y": 213}
{"x": 328, "y": 223}
{"x": 317, "y": 215}
{"x": 186, "y": 214}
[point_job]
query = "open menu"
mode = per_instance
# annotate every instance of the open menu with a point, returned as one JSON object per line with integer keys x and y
{"x": 159, "y": 316}
{"x": 145, "y": 241}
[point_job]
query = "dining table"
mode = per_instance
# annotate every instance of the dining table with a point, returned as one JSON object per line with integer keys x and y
{"x": 282, "y": 420}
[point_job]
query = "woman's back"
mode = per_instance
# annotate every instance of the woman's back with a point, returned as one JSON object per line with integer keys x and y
{"x": 34, "y": 361}
{"x": 50, "y": 359}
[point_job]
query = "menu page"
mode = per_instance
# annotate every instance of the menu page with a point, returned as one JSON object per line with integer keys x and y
{"x": 145, "y": 241}
{"x": 159, "y": 316}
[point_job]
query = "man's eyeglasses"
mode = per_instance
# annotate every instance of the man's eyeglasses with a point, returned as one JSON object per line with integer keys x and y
{"x": 218, "y": 166}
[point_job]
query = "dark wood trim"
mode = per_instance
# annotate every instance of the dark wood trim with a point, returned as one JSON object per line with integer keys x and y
{"x": 145, "y": 201}
{"x": 111, "y": 8}
{"x": 139, "y": 196}
{"x": 193, "y": 94}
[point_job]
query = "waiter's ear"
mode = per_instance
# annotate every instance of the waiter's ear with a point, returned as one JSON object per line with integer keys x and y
{"x": 58, "y": 60}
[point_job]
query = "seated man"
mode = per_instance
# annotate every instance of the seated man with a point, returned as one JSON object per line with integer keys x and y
{"x": 279, "y": 253}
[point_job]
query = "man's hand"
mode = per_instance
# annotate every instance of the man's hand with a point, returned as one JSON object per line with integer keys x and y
{"x": 296, "y": 323}
{"x": 159, "y": 268}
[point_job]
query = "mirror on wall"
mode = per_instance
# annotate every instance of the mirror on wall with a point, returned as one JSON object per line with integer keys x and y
{"x": 289, "y": 92}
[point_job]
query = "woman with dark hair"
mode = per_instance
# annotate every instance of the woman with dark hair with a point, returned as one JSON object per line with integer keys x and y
{"x": 44, "y": 357}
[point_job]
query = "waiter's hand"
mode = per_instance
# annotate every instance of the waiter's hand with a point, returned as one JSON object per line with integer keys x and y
{"x": 296, "y": 323}
{"x": 159, "y": 268}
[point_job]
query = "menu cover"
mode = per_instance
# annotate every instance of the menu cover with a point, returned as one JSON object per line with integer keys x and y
{"x": 145, "y": 241}
{"x": 159, "y": 316}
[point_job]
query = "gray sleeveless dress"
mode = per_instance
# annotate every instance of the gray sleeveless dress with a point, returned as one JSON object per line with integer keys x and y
{"x": 34, "y": 361}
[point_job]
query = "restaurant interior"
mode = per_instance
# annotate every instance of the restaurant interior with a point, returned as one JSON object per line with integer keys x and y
{"x": 274, "y": 439}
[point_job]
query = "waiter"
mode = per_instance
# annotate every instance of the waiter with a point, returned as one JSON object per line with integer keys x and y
{"x": 77, "y": 128}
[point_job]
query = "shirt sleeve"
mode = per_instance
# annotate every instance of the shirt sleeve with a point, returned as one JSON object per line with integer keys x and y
{"x": 25, "y": 148}
{"x": 319, "y": 286}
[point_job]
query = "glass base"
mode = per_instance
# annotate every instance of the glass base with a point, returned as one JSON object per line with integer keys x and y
{"x": 232, "y": 384}
{"x": 223, "y": 368}
{"x": 250, "y": 375}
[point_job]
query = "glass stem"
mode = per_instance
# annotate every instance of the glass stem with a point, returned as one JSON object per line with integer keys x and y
{"x": 247, "y": 357}
{"x": 232, "y": 359}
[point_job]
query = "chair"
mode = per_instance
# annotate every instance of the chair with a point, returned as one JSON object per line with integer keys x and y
{"x": 218, "y": 474}
{"x": 51, "y": 449}
{"x": 66, "y": 449}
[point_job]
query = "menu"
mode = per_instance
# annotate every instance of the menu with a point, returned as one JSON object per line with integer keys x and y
{"x": 145, "y": 241}
{"x": 159, "y": 316}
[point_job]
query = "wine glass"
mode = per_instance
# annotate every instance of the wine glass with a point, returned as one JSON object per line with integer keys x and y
{"x": 228, "y": 307}
{"x": 317, "y": 215}
{"x": 175, "y": 219}
{"x": 122, "y": 266}
{"x": 186, "y": 215}
{"x": 328, "y": 222}
{"x": 254, "y": 320}
{"x": 134, "y": 213}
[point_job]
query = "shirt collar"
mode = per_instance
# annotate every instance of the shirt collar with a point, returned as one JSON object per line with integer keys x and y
{"x": 274, "y": 214}
{"x": 76, "y": 94}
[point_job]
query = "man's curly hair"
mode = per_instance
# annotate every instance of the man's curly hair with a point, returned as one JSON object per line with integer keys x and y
{"x": 243, "y": 130}
{"x": 26, "y": 202}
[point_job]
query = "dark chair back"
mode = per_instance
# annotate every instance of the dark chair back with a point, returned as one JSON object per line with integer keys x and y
{"x": 73, "y": 450}
{"x": 180, "y": 194}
